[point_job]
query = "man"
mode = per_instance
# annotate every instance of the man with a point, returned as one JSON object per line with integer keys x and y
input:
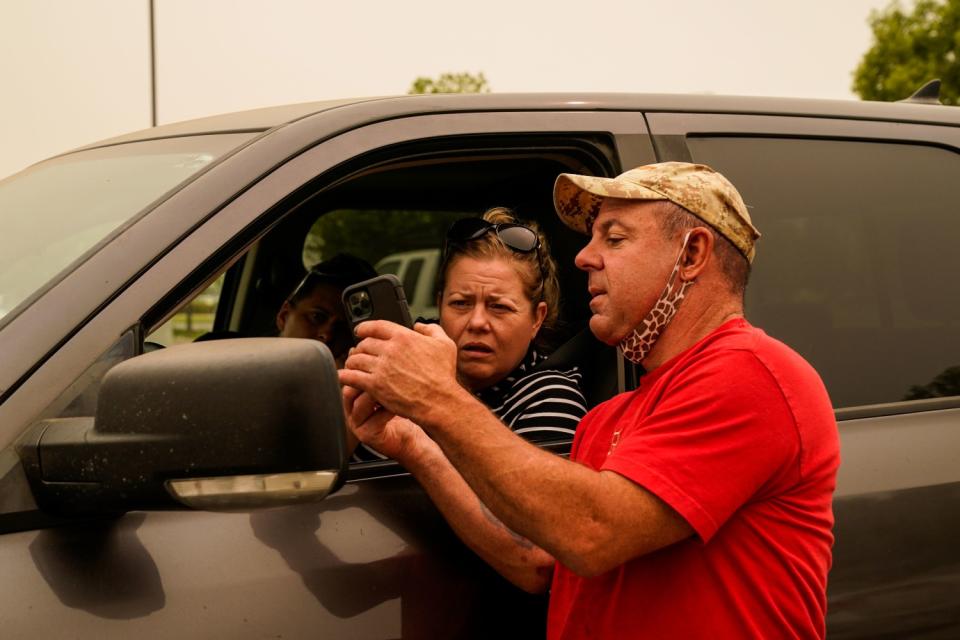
{"x": 314, "y": 309}
{"x": 698, "y": 505}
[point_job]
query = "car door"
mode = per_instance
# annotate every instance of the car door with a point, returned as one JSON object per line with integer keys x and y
{"x": 375, "y": 560}
{"x": 855, "y": 270}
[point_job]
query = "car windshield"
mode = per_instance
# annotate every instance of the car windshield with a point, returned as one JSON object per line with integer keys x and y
{"x": 55, "y": 212}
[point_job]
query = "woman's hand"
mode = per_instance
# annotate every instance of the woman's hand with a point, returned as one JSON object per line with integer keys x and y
{"x": 396, "y": 438}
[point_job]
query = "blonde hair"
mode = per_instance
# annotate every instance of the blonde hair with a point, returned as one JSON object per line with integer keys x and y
{"x": 537, "y": 269}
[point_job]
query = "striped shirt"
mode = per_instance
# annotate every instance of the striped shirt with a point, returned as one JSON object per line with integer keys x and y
{"x": 540, "y": 405}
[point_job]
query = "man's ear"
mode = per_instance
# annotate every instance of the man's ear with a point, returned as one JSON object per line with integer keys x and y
{"x": 697, "y": 254}
{"x": 282, "y": 315}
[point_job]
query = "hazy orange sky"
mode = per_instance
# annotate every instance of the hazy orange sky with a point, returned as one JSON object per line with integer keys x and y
{"x": 76, "y": 72}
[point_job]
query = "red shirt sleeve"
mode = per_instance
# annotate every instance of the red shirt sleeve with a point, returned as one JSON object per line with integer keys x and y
{"x": 718, "y": 435}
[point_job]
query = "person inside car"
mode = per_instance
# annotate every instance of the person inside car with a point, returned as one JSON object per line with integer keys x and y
{"x": 499, "y": 292}
{"x": 698, "y": 504}
{"x": 315, "y": 310}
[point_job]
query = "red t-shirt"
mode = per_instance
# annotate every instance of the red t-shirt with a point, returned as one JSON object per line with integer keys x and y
{"x": 737, "y": 434}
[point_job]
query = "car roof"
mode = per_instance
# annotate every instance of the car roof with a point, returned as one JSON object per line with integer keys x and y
{"x": 263, "y": 119}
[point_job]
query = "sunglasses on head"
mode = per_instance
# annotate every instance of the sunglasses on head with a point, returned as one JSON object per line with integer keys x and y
{"x": 513, "y": 236}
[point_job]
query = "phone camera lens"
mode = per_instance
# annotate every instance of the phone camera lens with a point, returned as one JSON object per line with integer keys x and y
{"x": 360, "y": 306}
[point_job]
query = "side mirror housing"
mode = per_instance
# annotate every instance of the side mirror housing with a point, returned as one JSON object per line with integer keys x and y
{"x": 231, "y": 424}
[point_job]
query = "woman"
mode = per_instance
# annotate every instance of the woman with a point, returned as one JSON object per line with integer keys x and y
{"x": 498, "y": 293}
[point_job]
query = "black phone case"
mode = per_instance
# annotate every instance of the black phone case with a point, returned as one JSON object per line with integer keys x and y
{"x": 387, "y": 301}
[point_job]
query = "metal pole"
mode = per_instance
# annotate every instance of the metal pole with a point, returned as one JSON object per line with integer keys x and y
{"x": 153, "y": 67}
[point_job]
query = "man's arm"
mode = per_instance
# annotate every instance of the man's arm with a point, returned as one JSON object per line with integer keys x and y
{"x": 512, "y": 555}
{"x": 590, "y": 521}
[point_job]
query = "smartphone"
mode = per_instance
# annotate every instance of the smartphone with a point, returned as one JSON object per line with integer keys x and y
{"x": 379, "y": 298}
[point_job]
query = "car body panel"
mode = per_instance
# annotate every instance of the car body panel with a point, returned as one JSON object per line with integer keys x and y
{"x": 355, "y": 565}
{"x": 390, "y": 107}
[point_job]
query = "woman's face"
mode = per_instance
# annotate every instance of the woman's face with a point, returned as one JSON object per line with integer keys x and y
{"x": 484, "y": 310}
{"x": 318, "y": 316}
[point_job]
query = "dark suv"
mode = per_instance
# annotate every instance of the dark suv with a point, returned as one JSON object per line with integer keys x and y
{"x": 131, "y": 482}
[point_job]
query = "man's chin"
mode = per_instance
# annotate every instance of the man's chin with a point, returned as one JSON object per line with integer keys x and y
{"x": 603, "y": 332}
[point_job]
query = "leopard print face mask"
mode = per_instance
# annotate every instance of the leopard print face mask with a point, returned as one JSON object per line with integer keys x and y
{"x": 637, "y": 345}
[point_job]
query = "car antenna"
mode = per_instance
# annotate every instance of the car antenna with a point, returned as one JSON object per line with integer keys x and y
{"x": 927, "y": 94}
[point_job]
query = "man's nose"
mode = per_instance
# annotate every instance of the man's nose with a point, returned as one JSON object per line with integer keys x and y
{"x": 588, "y": 258}
{"x": 324, "y": 332}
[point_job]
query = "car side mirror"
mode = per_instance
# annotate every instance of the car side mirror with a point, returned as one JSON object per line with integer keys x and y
{"x": 231, "y": 424}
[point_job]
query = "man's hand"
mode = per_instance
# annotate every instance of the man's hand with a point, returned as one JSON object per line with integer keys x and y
{"x": 404, "y": 371}
{"x": 392, "y": 436}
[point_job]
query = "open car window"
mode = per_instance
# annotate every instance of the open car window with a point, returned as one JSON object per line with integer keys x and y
{"x": 393, "y": 212}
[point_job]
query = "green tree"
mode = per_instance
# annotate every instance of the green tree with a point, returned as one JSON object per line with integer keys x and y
{"x": 911, "y": 48}
{"x": 451, "y": 83}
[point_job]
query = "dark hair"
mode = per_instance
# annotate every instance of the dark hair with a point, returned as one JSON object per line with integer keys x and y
{"x": 341, "y": 271}
{"x": 538, "y": 270}
{"x": 675, "y": 219}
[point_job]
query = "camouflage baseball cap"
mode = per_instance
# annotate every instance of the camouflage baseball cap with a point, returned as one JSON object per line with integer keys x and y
{"x": 695, "y": 187}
